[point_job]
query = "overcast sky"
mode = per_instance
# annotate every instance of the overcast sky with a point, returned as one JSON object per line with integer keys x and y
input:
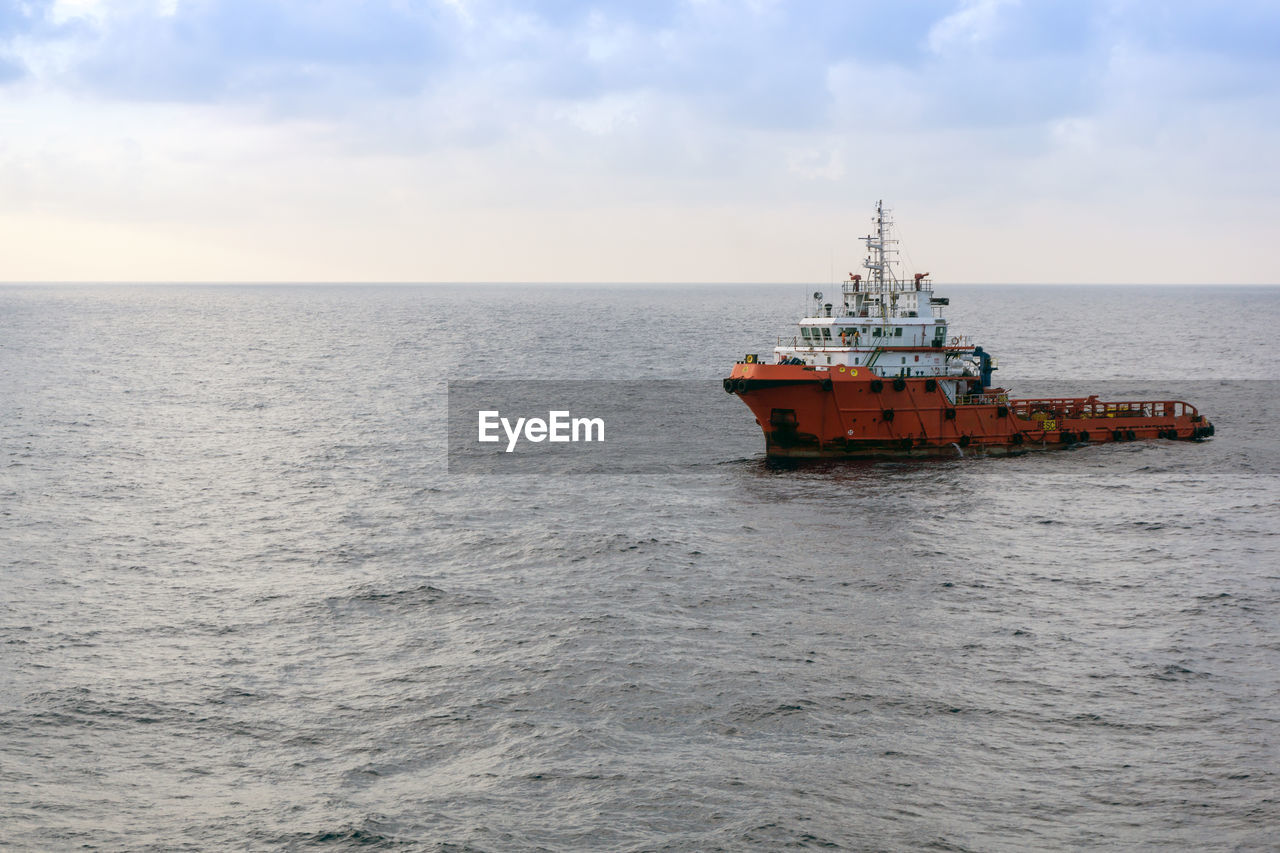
{"x": 698, "y": 140}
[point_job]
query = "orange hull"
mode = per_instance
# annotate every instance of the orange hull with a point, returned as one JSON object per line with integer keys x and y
{"x": 851, "y": 412}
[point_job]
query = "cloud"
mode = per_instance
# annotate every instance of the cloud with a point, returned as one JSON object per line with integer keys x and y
{"x": 261, "y": 50}
{"x": 1246, "y": 29}
{"x": 756, "y": 60}
{"x": 391, "y": 75}
{"x": 18, "y": 21}
{"x": 397, "y": 110}
{"x": 752, "y": 57}
{"x": 975, "y": 22}
{"x": 10, "y": 70}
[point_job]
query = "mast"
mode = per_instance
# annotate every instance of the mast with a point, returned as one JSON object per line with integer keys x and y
{"x": 880, "y": 247}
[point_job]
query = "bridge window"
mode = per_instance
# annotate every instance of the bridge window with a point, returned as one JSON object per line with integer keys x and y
{"x": 897, "y": 333}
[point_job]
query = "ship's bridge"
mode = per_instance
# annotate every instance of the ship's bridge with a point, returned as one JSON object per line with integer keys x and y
{"x": 894, "y": 326}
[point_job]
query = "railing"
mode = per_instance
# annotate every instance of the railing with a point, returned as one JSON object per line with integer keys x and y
{"x": 982, "y": 400}
{"x": 1092, "y": 407}
{"x": 870, "y": 343}
{"x": 890, "y": 285}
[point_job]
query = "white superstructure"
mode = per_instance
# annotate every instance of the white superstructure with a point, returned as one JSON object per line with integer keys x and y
{"x": 891, "y": 325}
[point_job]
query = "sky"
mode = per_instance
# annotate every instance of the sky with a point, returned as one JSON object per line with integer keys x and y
{"x": 1090, "y": 141}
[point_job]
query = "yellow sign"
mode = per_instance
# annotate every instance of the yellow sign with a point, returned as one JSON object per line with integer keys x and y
{"x": 1048, "y": 425}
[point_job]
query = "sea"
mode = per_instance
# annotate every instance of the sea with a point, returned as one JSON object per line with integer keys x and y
{"x": 247, "y": 603}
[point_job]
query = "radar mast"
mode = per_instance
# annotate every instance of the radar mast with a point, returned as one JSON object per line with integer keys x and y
{"x": 881, "y": 248}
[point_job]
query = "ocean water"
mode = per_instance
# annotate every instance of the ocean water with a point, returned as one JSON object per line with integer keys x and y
{"x": 245, "y": 603}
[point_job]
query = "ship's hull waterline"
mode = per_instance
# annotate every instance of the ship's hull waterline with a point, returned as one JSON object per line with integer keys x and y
{"x": 808, "y": 413}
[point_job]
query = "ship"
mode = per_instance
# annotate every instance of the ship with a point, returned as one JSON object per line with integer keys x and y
{"x": 878, "y": 372}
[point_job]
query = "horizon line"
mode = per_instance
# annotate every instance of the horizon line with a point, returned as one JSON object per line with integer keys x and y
{"x": 584, "y": 283}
